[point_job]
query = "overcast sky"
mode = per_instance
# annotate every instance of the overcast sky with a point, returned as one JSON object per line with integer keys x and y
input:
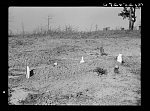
{"x": 81, "y": 18}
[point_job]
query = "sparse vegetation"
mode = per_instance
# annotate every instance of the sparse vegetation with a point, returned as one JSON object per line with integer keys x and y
{"x": 70, "y": 33}
{"x": 73, "y": 67}
{"x": 68, "y": 82}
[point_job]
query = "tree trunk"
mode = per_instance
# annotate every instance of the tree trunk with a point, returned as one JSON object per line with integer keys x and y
{"x": 133, "y": 17}
{"x": 130, "y": 20}
{"x": 132, "y": 25}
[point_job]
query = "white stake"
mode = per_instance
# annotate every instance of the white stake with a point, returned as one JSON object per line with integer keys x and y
{"x": 28, "y": 72}
{"x": 55, "y": 63}
{"x": 82, "y": 60}
{"x": 119, "y": 58}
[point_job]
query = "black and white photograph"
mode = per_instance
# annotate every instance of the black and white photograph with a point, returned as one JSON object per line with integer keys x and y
{"x": 74, "y": 56}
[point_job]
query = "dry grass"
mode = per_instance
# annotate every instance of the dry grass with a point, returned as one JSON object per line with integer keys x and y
{"x": 71, "y": 82}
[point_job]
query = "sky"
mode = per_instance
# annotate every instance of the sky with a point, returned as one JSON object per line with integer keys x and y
{"x": 80, "y": 18}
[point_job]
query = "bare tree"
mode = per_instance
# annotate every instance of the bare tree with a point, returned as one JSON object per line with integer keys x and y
{"x": 129, "y": 12}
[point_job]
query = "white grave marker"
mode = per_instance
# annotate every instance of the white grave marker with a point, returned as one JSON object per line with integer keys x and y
{"x": 119, "y": 58}
{"x": 28, "y": 72}
{"x": 82, "y": 60}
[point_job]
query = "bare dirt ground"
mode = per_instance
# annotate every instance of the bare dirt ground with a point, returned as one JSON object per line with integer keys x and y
{"x": 71, "y": 82}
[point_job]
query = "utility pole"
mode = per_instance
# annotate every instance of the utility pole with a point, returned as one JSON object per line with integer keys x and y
{"x": 96, "y": 27}
{"x": 48, "y": 21}
{"x": 22, "y": 28}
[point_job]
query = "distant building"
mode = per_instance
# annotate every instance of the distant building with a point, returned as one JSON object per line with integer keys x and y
{"x": 106, "y": 28}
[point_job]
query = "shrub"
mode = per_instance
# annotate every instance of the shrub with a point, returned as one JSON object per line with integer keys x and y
{"x": 100, "y": 71}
